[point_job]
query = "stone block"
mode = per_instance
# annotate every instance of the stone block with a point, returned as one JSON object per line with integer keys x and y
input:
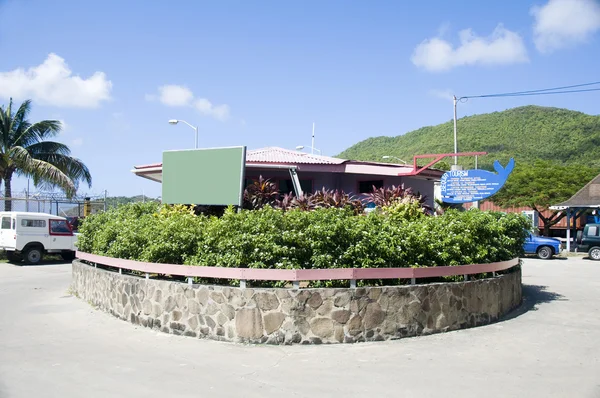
{"x": 322, "y": 327}
{"x": 266, "y": 301}
{"x": 222, "y": 319}
{"x": 189, "y": 293}
{"x": 193, "y": 307}
{"x": 217, "y": 297}
{"x": 176, "y": 316}
{"x": 342, "y": 298}
{"x": 228, "y": 310}
{"x": 248, "y": 323}
{"x": 354, "y": 326}
{"x": 170, "y": 304}
{"x": 147, "y": 307}
{"x": 341, "y": 316}
{"x": 273, "y": 321}
{"x": 315, "y": 301}
{"x": 202, "y": 295}
{"x": 210, "y": 322}
{"x": 325, "y": 308}
{"x": 157, "y": 310}
{"x": 374, "y": 293}
{"x": 181, "y": 301}
{"x": 338, "y": 333}
{"x": 302, "y": 325}
{"x": 158, "y": 296}
{"x": 193, "y": 322}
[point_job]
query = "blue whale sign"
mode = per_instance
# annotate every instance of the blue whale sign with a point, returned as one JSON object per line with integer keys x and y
{"x": 463, "y": 186}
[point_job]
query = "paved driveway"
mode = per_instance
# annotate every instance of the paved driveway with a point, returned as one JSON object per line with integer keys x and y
{"x": 55, "y": 345}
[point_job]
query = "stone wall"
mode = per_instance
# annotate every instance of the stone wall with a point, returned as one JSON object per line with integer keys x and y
{"x": 304, "y": 316}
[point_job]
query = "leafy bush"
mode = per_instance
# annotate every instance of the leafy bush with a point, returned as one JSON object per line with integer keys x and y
{"x": 397, "y": 236}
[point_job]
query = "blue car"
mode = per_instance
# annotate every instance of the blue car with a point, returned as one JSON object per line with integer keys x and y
{"x": 543, "y": 247}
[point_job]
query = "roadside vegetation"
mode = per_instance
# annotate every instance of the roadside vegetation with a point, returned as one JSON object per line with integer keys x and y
{"x": 312, "y": 232}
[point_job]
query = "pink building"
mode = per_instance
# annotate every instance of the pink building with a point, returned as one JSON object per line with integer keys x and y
{"x": 316, "y": 172}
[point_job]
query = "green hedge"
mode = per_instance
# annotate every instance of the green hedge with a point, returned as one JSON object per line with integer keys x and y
{"x": 322, "y": 238}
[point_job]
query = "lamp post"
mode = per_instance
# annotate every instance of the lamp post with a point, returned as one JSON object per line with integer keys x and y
{"x": 301, "y": 147}
{"x": 175, "y": 121}
{"x": 393, "y": 157}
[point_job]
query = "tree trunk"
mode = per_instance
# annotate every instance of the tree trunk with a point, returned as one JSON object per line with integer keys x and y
{"x": 7, "y": 191}
{"x": 550, "y": 221}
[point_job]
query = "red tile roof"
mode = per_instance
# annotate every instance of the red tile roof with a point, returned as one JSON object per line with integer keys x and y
{"x": 280, "y": 155}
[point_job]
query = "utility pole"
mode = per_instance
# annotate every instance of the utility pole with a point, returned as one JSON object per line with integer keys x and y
{"x": 455, "y": 141}
{"x": 105, "y": 195}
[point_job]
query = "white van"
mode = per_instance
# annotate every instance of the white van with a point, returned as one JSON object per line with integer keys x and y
{"x": 28, "y": 236}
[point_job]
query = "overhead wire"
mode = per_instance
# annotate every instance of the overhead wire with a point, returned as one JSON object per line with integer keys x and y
{"x": 545, "y": 91}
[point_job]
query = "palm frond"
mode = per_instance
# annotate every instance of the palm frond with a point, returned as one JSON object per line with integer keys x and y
{"x": 48, "y": 147}
{"x": 36, "y": 132}
{"x": 41, "y": 171}
{"x": 74, "y": 168}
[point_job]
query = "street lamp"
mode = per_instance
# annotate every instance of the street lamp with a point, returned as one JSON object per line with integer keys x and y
{"x": 393, "y": 157}
{"x": 301, "y": 147}
{"x": 175, "y": 121}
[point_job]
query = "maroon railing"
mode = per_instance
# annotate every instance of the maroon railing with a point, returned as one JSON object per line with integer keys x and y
{"x": 296, "y": 275}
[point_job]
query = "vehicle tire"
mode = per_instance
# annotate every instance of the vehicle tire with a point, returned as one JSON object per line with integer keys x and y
{"x": 34, "y": 255}
{"x": 544, "y": 252}
{"x": 68, "y": 256}
{"x": 12, "y": 257}
{"x": 594, "y": 253}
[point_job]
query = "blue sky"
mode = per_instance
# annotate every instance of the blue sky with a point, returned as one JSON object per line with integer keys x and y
{"x": 260, "y": 73}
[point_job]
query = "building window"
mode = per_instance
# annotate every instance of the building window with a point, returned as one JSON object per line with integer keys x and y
{"x": 286, "y": 186}
{"x": 367, "y": 186}
{"x": 33, "y": 223}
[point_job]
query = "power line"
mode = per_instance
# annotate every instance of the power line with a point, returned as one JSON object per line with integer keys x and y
{"x": 545, "y": 91}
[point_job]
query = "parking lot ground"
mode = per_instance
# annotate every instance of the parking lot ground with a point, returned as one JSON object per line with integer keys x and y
{"x": 53, "y": 344}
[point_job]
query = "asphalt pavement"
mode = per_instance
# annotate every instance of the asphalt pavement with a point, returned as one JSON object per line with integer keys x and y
{"x": 53, "y": 344}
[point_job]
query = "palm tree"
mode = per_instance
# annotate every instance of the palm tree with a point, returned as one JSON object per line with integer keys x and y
{"x": 25, "y": 151}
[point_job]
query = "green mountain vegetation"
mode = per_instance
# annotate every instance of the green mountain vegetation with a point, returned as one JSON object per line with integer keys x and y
{"x": 114, "y": 201}
{"x": 526, "y": 133}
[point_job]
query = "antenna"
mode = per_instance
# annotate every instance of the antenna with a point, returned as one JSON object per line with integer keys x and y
{"x": 312, "y": 145}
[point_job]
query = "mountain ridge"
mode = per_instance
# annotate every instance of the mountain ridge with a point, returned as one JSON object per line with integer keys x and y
{"x": 527, "y": 133}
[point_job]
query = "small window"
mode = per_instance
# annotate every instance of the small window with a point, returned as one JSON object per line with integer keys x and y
{"x": 367, "y": 186}
{"x": 33, "y": 223}
{"x": 592, "y": 231}
{"x": 287, "y": 186}
{"x": 59, "y": 227}
{"x": 5, "y": 222}
{"x": 14, "y": 224}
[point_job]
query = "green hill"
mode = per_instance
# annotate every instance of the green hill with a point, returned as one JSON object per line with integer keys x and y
{"x": 526, "y": 133}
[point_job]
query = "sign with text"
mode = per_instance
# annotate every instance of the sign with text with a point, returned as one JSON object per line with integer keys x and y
{"x": 463, "y": 186}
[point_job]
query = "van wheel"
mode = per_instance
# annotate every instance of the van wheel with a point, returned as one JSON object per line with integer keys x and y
{"x": 544, "y": 252}
{"x": 33, "y": 255}
{"x": 594, "y": 253}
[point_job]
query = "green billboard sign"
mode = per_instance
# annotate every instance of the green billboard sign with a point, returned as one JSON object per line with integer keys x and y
{"x": 208, "y": 176}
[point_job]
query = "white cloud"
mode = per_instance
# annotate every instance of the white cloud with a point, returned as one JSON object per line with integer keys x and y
{"x": 174, "y": 95}
{"x": 564, "y": 23}
{"x": 53, "y": 83}
{"x": 502, "y": 47}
